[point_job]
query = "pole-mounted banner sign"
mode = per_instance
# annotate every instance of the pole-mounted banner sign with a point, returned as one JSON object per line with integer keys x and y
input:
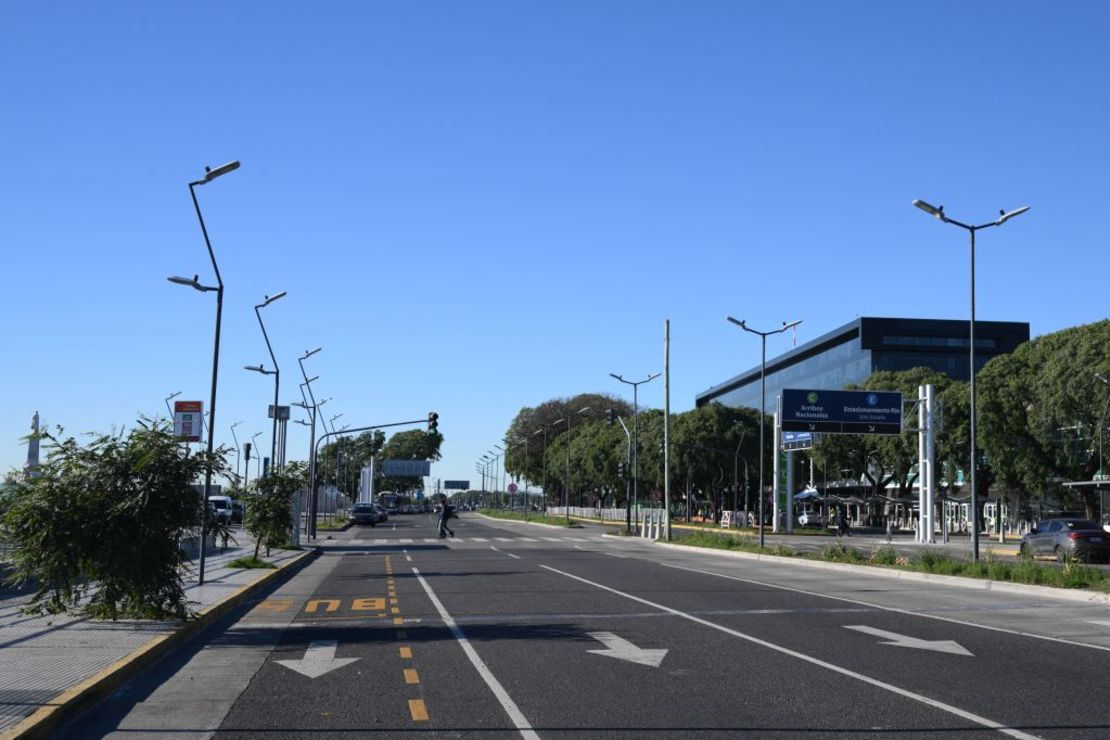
{"x": 842, "y": 412}
{"x": 187, "y": 417}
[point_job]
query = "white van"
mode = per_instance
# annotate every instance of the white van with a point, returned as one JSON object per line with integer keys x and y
{"x": 221, "y": 507}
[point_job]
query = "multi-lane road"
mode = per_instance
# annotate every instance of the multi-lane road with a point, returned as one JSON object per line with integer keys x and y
{"x": 515, "y": 630}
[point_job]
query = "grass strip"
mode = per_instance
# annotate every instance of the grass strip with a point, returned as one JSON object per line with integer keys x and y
{"x": 1072, "y": 574}
{"x": 556, "y": 521}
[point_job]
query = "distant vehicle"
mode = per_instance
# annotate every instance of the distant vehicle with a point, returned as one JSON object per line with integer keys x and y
{"x": 1081, "y": 539}
{"x": 236, "y": 512}
{"x": 811, "y": 519}
{"x": 383, "y": 513}
{"x": 221, "y": 507}
{"x": 365, "y": 514}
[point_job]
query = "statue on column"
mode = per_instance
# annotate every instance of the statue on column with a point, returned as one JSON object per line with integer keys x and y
{"x": 32, "y": 466}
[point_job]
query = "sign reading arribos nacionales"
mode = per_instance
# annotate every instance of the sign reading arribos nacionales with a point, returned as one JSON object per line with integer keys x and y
{"x": 842, "y": 412}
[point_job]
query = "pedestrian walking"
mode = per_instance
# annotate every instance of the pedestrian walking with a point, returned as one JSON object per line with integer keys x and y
{"x": 446, "y": 511}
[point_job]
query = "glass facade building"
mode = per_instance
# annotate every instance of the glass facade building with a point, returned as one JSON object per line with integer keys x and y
{"x": 851, "y": 353}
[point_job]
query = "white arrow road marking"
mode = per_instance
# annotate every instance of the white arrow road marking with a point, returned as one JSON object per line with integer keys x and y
{"x": 893, "y": 638}
{"x": 318, "y": 659}
{"x": 622, "y": 649}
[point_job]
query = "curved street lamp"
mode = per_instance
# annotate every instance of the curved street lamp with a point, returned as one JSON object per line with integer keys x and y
{"x": 209, "y": 175}
{"x": 1003, "y": 217}
{"x": 266, "y": 301}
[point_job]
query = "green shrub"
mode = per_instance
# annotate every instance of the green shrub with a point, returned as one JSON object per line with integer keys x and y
{"x": 251, "y": 562}
{"x": 104, "y": 521}
{"x": 884, "y": 556}
{"x": 269, "y": 507}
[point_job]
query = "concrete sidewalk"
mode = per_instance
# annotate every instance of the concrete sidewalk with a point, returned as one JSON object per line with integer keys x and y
{"x": 52, "y": 666}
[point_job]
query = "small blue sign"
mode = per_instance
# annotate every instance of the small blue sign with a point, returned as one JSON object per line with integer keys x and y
{"x": 797, "y": 440}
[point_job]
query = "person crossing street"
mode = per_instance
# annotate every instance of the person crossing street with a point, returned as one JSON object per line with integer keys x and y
{"x": 446, "y": 511}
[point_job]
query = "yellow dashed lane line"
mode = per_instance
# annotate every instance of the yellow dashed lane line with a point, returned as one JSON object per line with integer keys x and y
{"x": 411, "y": 676}
{"x": 418, "y": 711}
{"x": 406, "y": 653}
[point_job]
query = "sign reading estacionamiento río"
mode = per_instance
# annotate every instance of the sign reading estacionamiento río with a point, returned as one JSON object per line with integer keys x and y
{"x": 842, "y": 412}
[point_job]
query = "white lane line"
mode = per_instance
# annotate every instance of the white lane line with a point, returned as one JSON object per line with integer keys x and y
{"x": 518, "y": 719}
{"x": 407, "y": 556}
{"x": 614, "y": 555}
{"x": 503, "y": 552}
{"x": 990, "y": 723}
{"x": 885, "y": 608}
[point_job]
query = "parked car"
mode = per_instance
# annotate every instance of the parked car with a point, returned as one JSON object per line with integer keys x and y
{"x": 1081, "y": 539}
{"x": 364, "y": 514}
{"x": 383, "y": 513}
{"x": 221, "y": 507}
{"x": 811, "y": 519}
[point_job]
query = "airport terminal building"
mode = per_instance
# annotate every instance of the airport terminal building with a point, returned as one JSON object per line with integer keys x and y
{"x": 852, "y": 352}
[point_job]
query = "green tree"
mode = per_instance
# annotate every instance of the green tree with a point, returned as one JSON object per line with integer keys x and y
{"x": 1040, "y": 411}
{"x": 269, "y": 507}
{"x": 414, "y": 444}
{"x": 524, "y": 439}
{"x": 110, "y": 513}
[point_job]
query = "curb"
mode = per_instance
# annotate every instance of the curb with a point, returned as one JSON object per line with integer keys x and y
{"x": 64, "y": 706}
{"x": 981, "y": 584}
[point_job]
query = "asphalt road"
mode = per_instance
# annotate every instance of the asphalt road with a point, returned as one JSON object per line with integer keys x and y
{"x": 514, "y": 630}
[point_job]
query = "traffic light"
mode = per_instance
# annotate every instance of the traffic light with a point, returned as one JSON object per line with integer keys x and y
{"x": 621, "y": 470}
{"x": 433, "y": 422}
{"x": 612, "y": 416}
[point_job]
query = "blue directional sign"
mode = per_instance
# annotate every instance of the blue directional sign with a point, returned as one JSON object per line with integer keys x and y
{"x": 797, "y": 440}
{"x": 842, "y": 412}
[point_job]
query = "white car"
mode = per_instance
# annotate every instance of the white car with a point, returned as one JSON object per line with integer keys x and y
{"x": 811, "y": 519}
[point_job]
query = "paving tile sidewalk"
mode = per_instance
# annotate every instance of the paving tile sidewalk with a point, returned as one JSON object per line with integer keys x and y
{"x": 43, "y": 657}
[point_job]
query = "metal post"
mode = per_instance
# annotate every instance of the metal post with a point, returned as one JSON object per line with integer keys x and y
{"x": 1003, "y": 218}
{"x": 667, "y": 425}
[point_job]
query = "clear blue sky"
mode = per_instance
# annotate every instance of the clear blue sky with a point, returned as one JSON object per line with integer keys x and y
{"x": 480, "y": 206}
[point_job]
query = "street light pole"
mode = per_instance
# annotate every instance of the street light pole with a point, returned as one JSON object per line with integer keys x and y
{"x": 763, "y": 402}
{"x": 635, "y": 435}
{"x": 1102, "y": 428}
{"x": 1002, "y": 218}
{"x": 307, "y": 385}
{"x": 266, "y": 301}
{"x": 169, "y": 409}
{"x": 236, "y": 438}
{"x": 210, "y": 175}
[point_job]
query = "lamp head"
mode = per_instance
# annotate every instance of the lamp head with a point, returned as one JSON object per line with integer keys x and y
{"x": 258, "y": 369}
{"x": 193, "y": 282}
{"x": 211, "y": 174}
{"x": 271, "y": 298}
{"x": 308, "y": 354}
{"x": 930, "y": 209}
{"x": 739, "y": 322}
{"x": 1003, "y": 216}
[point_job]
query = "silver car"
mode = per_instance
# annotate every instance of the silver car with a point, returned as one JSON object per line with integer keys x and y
{"x": 1066, "y": 538}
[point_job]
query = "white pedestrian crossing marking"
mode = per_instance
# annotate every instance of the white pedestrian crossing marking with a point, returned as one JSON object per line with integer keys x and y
{"x": 527, "y": 539}
{"x": 431, "y": 539}
{"x": 405, "y": 541}
{"x": 479, "y": 539}
{"x": 356, "y": 542}
{"x": 553, "y": 539}
{"x": 503, "y": 539}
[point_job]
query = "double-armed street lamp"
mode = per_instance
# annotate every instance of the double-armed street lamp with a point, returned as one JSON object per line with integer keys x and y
{"x": 635, "y": 437}
{"x": 763, "y": 402}
{"x": 566, "y": 487}
{"x": 1003, "y": 217}
{"x": 266, "y": 301}
{"x": 209, "y": 175}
